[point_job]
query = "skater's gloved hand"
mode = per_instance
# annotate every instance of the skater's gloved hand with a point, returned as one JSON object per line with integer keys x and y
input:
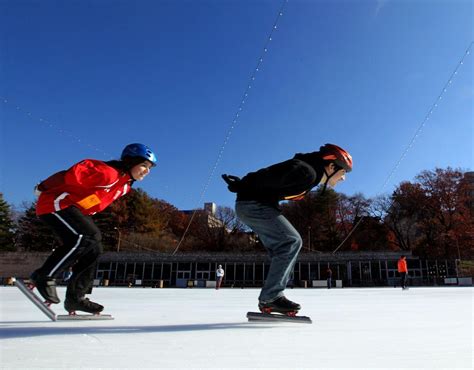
{"x": 233, "y": 183}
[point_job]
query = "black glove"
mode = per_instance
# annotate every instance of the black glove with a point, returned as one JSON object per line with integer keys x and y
{"x": 233, "y": 183}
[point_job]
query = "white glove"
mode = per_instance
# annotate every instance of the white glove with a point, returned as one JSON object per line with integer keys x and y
{"x": 36, "y": 191}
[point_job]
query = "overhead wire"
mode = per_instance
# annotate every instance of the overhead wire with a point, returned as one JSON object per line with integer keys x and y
{"x": 233, "y": 124}
{"x": 414, "y": 137}
{"x": 234, "y": 121}
{"x": 48, "y": 123}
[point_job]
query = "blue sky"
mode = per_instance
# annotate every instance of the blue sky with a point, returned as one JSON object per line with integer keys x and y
{"x": 82, "y": 79}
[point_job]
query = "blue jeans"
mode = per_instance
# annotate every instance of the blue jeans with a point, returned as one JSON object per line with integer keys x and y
{"x": 279, "y": 237}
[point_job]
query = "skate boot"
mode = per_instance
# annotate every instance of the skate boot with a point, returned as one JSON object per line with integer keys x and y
{"x": 82, "y": 304}
{"x": 280, "y": 305}
{"x": 46, "y": 287}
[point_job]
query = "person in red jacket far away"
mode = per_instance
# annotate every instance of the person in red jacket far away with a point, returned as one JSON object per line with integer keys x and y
{"x": 403, "y": 271}
{"x": 66, "y": 202}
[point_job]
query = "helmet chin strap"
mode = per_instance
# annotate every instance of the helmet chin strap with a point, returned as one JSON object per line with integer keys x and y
{"x": 129, "y": 171}
{"x": 325, "y": 185}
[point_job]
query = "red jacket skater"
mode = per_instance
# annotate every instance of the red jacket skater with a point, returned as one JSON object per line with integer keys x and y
{"x": 402, "y": 265}
{"x": 91, "y": 185}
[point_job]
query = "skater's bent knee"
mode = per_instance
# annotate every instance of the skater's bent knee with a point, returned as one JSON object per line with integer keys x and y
{"x": 288, "y": 247}
{"x": 296, "y": 242}
{"x": 91, "y": 243}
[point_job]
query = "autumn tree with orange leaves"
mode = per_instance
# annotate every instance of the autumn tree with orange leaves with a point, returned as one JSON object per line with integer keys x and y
{"x": 432, "y": 216}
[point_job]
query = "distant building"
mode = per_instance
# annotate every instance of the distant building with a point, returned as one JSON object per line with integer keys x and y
{"x": 210, "y": 208}
{"x": 249, "y": 269}
{"x": 208, "y": 214}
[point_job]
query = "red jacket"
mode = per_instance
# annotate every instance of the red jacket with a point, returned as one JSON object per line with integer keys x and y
{"x": 90, "y": 185}
{"x": 402, "y": 266}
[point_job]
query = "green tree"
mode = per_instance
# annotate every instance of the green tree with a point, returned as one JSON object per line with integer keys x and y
{"x": 33, "y": 234}
{"x": 6, "y": 227}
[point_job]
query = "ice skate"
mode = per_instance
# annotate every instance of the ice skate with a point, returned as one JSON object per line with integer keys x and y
{"x": 281, "y": 309}
{"x": 82, "y": 304}
{"x": 280, "y": 305}
{"x": 46, "y": 287}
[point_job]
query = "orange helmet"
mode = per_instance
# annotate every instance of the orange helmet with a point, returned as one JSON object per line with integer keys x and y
{"x": 337, "y": 155}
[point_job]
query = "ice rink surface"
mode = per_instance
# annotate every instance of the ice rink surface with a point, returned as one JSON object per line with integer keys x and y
{"x": 424, "y": 328}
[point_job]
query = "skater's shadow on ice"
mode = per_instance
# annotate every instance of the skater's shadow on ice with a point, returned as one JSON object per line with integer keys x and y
{"x": 4, "y": 324}
{"x": 25, "y": 332}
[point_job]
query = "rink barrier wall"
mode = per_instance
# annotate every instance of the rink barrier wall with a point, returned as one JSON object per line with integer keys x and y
{"x": 248, "y": 270}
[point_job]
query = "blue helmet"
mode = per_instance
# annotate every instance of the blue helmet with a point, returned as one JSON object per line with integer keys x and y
{"x": 139, "y": 150}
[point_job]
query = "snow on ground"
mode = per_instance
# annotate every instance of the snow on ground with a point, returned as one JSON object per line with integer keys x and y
{"x": 204, "y": 328}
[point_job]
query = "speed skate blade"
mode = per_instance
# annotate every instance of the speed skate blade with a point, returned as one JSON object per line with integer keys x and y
{"x": 35, "y": 299}
{"x": 258, "y": 316}
{"x": 82, "y": 317}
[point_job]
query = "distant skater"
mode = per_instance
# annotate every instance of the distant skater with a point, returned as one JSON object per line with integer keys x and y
{"x": 403, "y": 271}
{"x": 219, "y": 276}
{"x": 66, "y": 202}
{"x": 329, "y": 277}
{"x": 258, "y": 196}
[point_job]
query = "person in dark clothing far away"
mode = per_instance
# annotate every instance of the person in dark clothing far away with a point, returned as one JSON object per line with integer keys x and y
{"x": 329, "y": 277}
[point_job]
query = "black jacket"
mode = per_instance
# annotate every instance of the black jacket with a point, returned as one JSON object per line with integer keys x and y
{"x": 285, "y": 180}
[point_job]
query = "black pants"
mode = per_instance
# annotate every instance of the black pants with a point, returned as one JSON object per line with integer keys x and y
{"x": 403, "y": 279}
{"x": 81, "y": 248}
